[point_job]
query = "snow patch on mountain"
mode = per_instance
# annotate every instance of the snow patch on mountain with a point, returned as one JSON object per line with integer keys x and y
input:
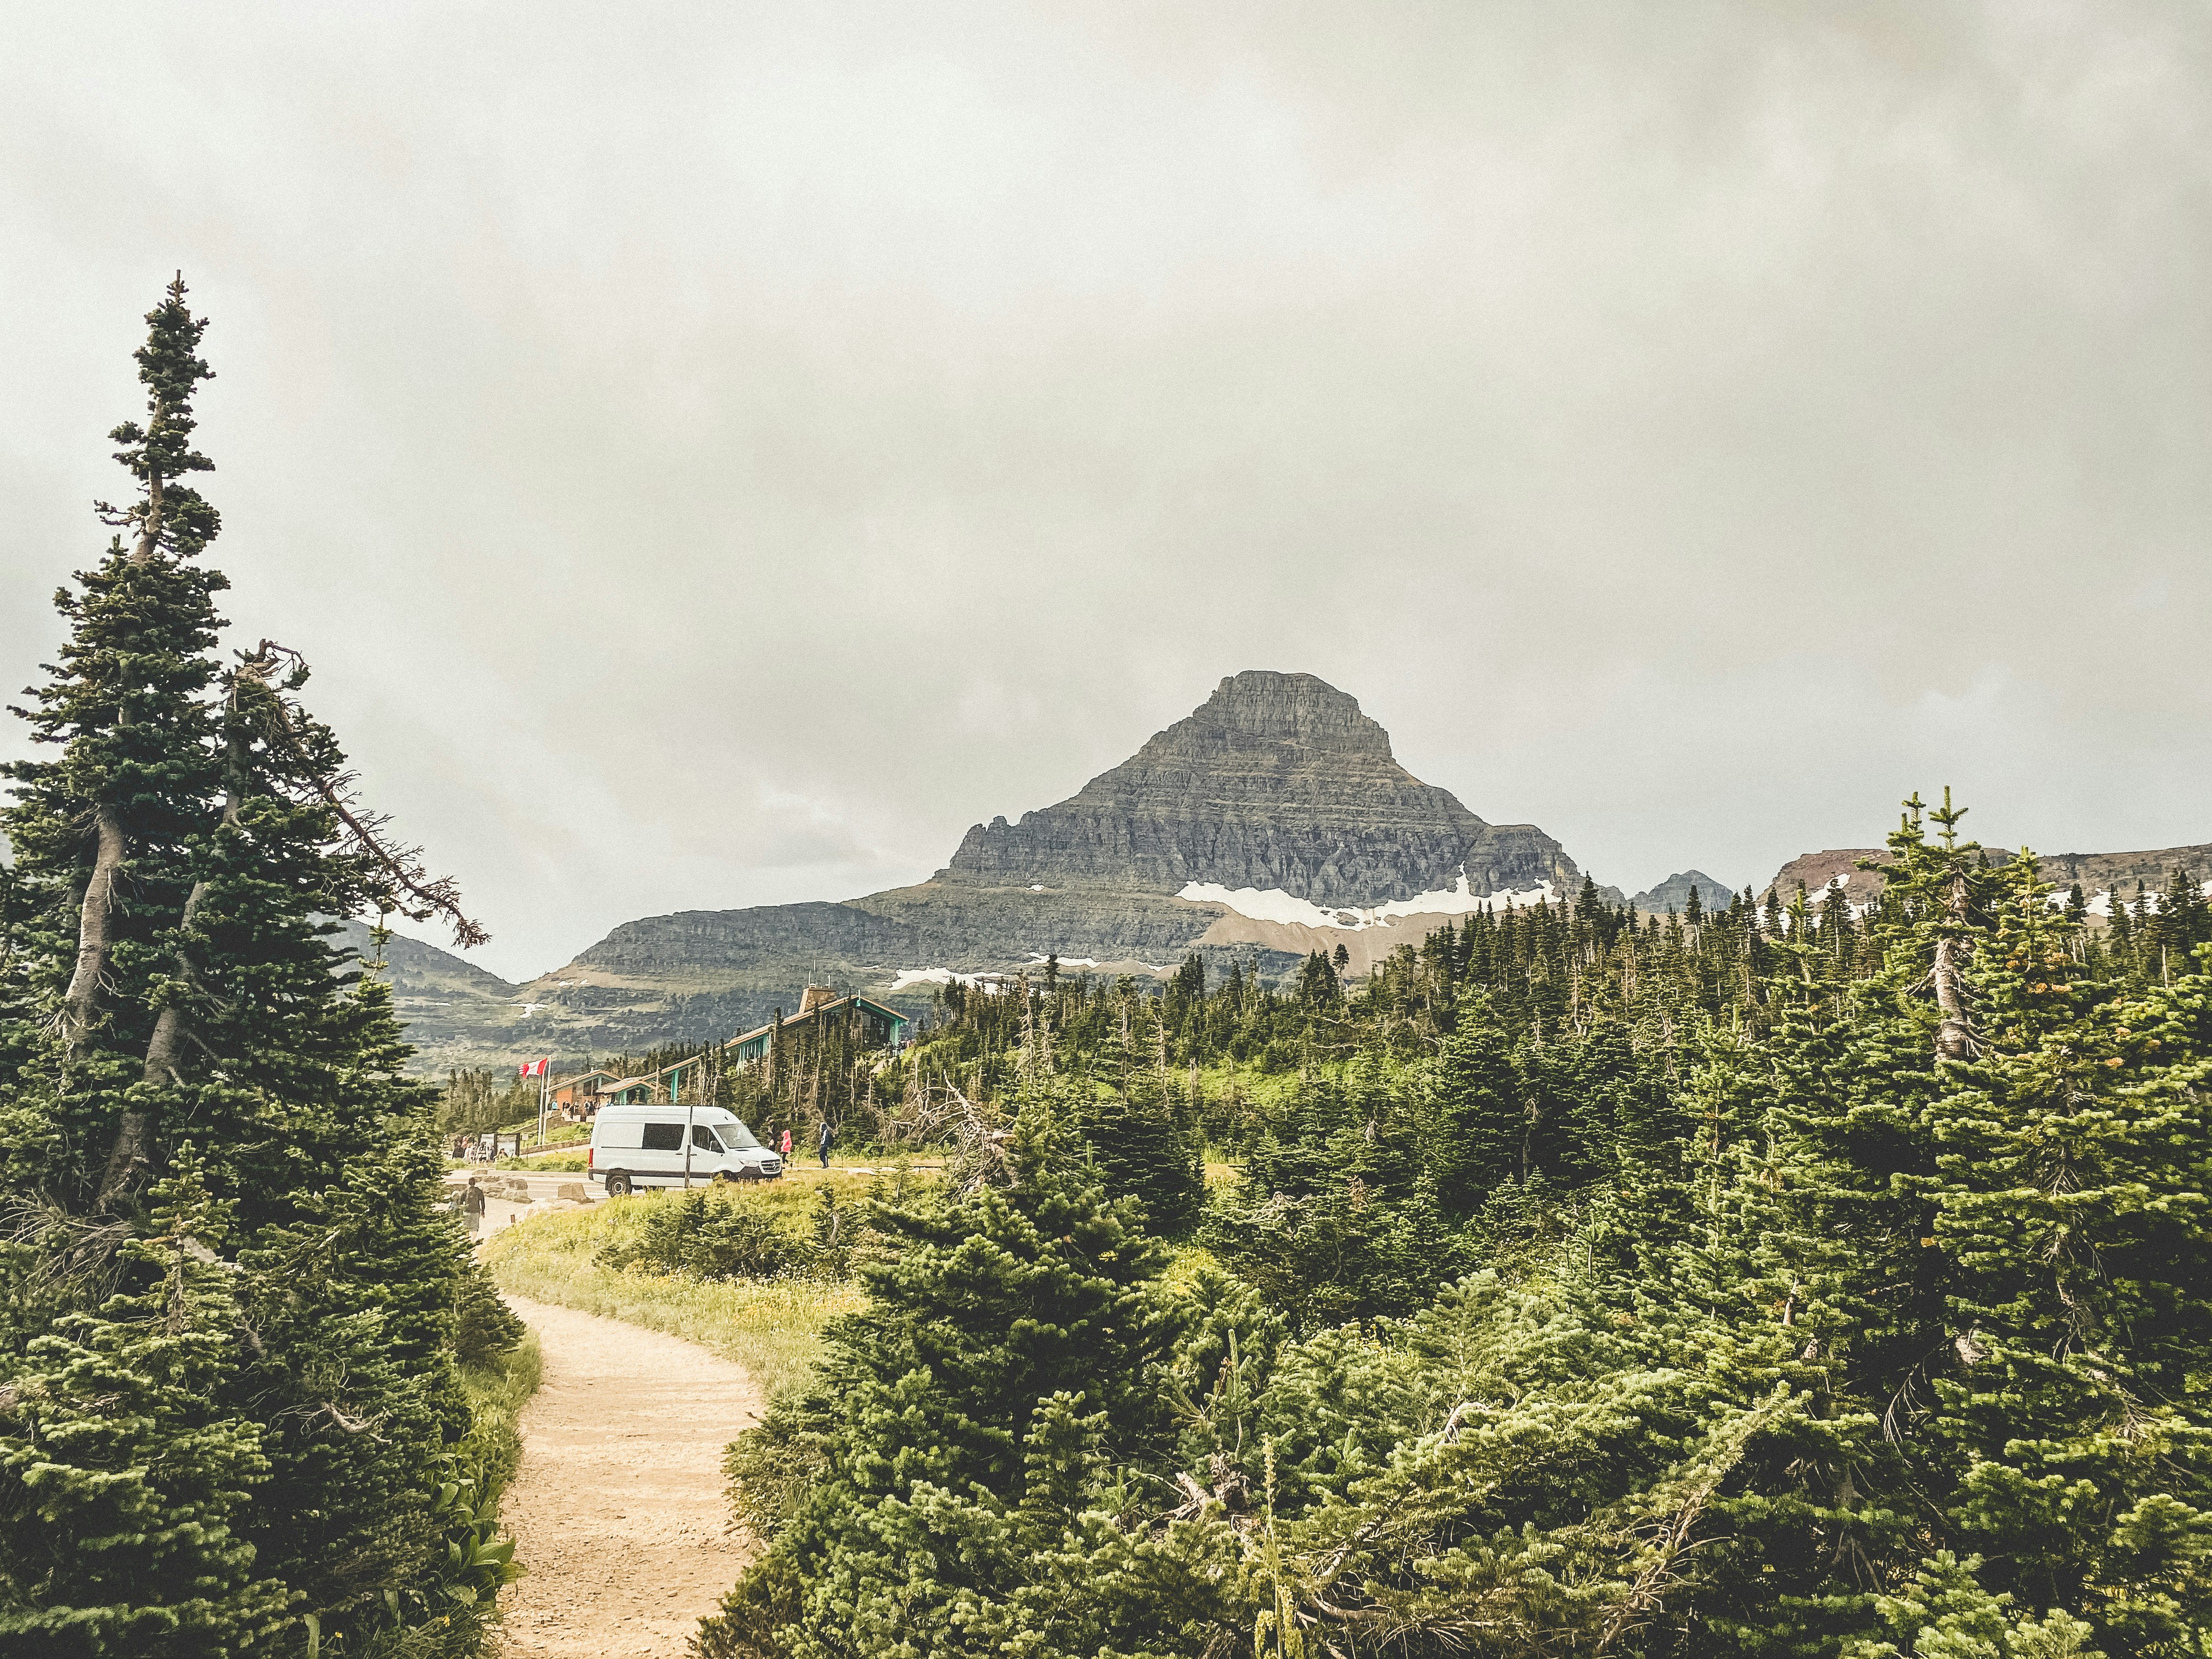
{"x": 1838, "y": 886}
{"x": 2100, "y": 902}
{"x": 1277, "y": 906}
{"x": 912, "y": 977}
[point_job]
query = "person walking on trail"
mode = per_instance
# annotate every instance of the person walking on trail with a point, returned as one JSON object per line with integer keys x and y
{"x": 823, "y": 1146}
{"x": 472, "y": 1205}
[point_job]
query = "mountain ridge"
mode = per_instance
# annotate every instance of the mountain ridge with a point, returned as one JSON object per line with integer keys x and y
{"x": 1273, "y": 821}
{"x": 2094, "y": 872}
{"x": 1276, "y": 791}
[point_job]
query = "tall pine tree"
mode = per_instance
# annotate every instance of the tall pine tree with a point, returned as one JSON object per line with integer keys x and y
{"x": 1011, "y": 1349}
{"x": 101, "y": 830}
{"x": 225, "y": 1199}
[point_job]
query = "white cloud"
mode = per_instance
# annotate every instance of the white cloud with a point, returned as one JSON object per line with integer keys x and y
{"x": 633, "y": 412}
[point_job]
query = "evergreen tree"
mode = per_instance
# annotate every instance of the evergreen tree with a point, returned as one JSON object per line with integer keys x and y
{"x": 1010, "y": 1352}
{"x": 122, "y": 1479}
{"x": 355, "y": 1378}
{"x": 1143, "y": 1151}
{"x": 100, "y": 831}
{"x": 1836, "y": 1293}
{"x": 1479, "y": 1129}
{"x": 1317, "y": 986}
{"x": 197, "y": 1031}
{"x": 2070, "y": 1193}
{"x": 1336, "y": 1215}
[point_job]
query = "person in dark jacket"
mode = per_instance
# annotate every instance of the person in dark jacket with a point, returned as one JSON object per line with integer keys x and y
{"x": 472, "y": 1205}
{"x": 822, "y": 1146}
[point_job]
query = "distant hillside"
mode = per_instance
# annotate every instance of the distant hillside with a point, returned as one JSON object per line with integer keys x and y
{"x": 1816, "y": 870}
{"x": 685, "y": 978}
{"x": 2104, "y": 872}
{"x": 416, "y": 970}
{"x": 449, "y": 1006}
{"x": 2096, "y": 872}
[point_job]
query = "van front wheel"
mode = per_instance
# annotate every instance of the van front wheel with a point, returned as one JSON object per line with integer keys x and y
{"x": 618, "y": 1185}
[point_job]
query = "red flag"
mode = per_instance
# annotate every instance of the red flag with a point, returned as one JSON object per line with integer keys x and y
{"x": 531, "y": 1068}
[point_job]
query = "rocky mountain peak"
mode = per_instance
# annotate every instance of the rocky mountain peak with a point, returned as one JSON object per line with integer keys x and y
{"x": 1674, "y": 894}
{"x": 1276, "y": 782}
{"x": 1297, "y": 719}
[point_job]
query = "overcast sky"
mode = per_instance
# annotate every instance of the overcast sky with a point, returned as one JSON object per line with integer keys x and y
{"x": 714, "y": 453}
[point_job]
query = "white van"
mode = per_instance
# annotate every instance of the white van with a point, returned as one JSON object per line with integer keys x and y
{"x": 633, "y": 1147}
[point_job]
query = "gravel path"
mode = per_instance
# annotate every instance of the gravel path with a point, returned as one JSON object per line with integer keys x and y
{"x": 619, "y": 1509}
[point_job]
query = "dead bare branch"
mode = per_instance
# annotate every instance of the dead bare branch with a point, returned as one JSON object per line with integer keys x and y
{"x": 415, "y": 894}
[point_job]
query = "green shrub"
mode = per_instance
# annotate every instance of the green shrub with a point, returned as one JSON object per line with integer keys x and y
{"x": 483, "y": 1326}
{"x": 710, "y": 1233}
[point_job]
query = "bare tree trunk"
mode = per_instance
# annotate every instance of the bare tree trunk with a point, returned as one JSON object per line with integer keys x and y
{"x": 1954, "y": 1038}
{"x": 95, "y": 923}
{"x": 133, "y": 1148}
{"x": 169, "y": 1024}
{"x": 150, "y": 527}
{"x": 95, "y": 930}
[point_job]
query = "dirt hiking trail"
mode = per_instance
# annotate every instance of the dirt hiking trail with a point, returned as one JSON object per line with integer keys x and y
{"x": 618, "y": 1508}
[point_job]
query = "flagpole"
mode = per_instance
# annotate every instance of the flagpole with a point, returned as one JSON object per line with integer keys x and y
{"x": 545, "y": 1095}
{"x": 690, "y": 1107}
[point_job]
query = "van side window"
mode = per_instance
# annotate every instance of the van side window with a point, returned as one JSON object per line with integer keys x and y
{"x": 704, "y": 1141}
{"x": 664, "y": 1137}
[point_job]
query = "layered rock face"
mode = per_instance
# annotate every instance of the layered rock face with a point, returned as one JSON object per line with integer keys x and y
{"x": 780, "y": 935}
{"x": 1278, "y": 780}
{"x": 2119, "y": 871}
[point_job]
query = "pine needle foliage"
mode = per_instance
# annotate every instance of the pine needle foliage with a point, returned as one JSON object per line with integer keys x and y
{"x": 1799, "y": 1279}
{"x": 235, "y": 1300}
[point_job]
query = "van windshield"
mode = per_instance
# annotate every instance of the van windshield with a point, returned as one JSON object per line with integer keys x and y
{"x": 736, "y": 1137}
